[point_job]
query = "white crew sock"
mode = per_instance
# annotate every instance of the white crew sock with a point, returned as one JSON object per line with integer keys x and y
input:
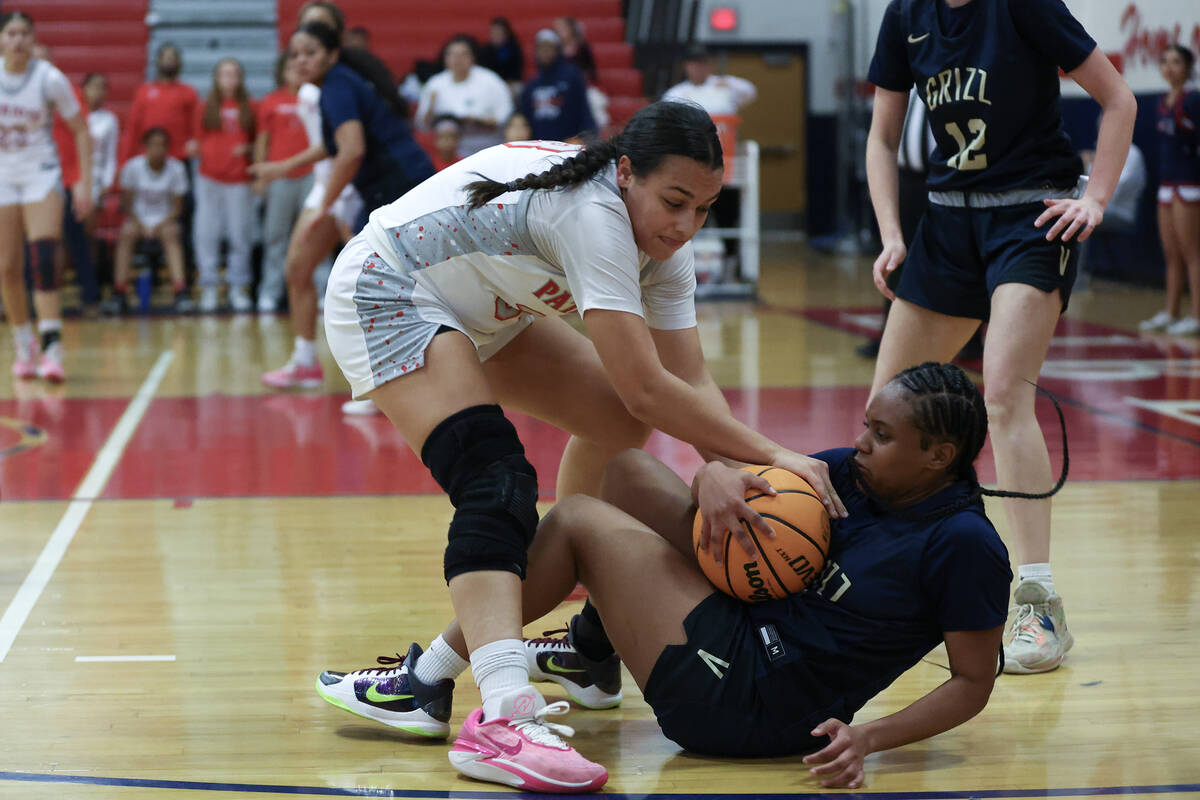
{"x": 47, "y": 325}
{"x": 1038, "y": 572}
{"x": 23, "y": 335}
{"x": 304, "y": 352}
{"x": 440, "y": 663}
{"x": 499, "y": 667}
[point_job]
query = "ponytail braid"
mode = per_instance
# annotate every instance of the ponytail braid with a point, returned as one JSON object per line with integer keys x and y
{"x": 570, "y": 172}
{"x": 948, "y": 406}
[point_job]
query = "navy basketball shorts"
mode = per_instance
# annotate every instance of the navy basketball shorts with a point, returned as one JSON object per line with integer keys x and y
{"x": 705, "y": 696}
{"x": 958, "y": 256}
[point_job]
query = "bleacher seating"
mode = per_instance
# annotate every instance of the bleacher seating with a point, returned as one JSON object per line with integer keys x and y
{"x": 412, "y": 31}
{"x": 113, "y": 38}
{"x": 96, "y": 36}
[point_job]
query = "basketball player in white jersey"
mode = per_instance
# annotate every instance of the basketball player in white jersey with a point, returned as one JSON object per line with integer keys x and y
{"x": 31, "y": 92}
{"x": 447, "y": 306}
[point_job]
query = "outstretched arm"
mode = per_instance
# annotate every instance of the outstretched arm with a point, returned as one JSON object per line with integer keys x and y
{"x": 972, "y": 674}
{"x": 665, "y": 401}
{"x": 268, "y": 171}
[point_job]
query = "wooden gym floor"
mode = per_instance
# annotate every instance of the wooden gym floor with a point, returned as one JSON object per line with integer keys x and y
{"x": 181, "y": 552}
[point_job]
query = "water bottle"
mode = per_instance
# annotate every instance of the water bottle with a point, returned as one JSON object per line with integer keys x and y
{"x": 145, "y": 286}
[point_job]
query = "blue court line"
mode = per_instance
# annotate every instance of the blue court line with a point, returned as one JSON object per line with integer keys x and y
{"x": 143, "y": 783}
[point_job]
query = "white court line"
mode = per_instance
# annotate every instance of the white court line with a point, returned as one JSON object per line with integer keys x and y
{"x": 123, "y": 658}
{"x": 90, "y": 488}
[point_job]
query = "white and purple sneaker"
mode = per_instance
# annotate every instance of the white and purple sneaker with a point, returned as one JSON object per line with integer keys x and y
{"x": 392, "y": 695}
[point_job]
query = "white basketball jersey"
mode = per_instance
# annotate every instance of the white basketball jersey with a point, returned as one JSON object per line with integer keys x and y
{"x": 539, "y": 253}
{"x": 28, "y": 102}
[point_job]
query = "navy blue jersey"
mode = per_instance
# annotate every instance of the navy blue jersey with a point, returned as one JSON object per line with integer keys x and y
{"x": 391, "y": 148}
{"x": 889, "y": 591}
{"x": 988, "y": 72}
{"x": 1179, "y": 139}
{"x": 555, "y": 103}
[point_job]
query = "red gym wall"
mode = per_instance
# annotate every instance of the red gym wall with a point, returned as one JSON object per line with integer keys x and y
{"x": 96, "y": 36}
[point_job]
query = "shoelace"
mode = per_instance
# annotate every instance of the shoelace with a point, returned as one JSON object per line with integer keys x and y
{"x": 554, "y": 638}
{"x": 546, "y": 733}
{"x": 1024, "y": 625}
{"x": 387, "y": 662}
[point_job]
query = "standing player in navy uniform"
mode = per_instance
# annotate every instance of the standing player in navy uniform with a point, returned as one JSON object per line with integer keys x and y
{"x": 1179, "y": 192}
{"x": 916, "y": 562}
{"x": 1004, "y": 168}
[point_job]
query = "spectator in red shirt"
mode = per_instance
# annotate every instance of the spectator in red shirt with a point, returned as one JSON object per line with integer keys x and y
{"x": 224, "y": 128}
{"x": 447, "y": 138}
{"x": 281, "y": 135}
{"x": 163, "y": 103}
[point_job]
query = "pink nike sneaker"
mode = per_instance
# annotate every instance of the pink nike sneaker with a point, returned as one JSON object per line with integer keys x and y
{"x": 25, "y": 362}
{"x": 519, "y": 748}
{"x": 51, "y": 366}
{"x": 291, "y": 375}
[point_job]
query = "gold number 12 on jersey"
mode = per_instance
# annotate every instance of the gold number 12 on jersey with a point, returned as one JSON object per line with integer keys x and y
{"x": 969, "y": 155}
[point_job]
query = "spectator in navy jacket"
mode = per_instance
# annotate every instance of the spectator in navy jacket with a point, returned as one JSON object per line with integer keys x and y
{"x": 555, "y": 101}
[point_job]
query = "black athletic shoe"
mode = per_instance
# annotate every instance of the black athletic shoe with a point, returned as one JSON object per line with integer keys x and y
{"x": 392, "y": 695}
{"x": 591, "y": 684}
{"x": 117, "y": 305}
{"x": 184, "y": 304}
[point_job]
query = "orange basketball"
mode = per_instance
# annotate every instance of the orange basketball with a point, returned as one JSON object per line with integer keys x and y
{"x": 784, "y": 565}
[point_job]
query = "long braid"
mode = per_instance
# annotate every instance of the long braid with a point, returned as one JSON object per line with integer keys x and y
{"x": 569, "y": 172}
{"x": 948, "y": 406}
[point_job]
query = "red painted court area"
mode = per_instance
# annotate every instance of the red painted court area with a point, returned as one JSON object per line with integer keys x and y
{"x": 1132, "y": 407}
{"x": 48, "y": 444}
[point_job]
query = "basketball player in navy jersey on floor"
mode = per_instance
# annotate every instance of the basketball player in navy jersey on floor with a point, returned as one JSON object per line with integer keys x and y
{"x": 998, "y": 241}
{"x": 917, "y": 562}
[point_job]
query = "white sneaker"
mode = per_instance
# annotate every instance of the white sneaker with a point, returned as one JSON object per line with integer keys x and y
{"x": 360, "y": 408}
{"x": 239, "y": 298}
{"x": 1188, "y": 326}
{"x": 267, "y": 305}
{"x": 1039, "y": 639}
{"x": 210, "y": 299}
{"x": 1160, "y": 321}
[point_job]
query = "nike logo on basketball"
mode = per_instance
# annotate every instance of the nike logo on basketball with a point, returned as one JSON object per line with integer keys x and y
{"x": 376, "y": 696}
{"x": 914, "y": 39}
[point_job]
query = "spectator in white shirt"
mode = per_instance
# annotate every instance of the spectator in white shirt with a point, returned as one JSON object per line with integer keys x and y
{"x": 719, "y": 95}
{"x": 152, "y": 188}
{"x": 102, "y": 125}
{"x": 476, "y": 96}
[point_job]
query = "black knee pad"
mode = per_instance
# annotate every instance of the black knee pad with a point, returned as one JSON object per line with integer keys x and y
{"x": 44, "y": 265}
{"x": 476, "y": 457}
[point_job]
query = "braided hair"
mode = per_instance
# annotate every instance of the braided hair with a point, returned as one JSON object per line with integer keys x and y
{"x": 947, "y": 406}
{"x": 659, "y": 130}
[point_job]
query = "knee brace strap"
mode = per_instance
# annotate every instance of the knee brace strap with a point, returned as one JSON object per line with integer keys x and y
{"x": 476, "y": 456}
{"x": 45, "y": 266}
